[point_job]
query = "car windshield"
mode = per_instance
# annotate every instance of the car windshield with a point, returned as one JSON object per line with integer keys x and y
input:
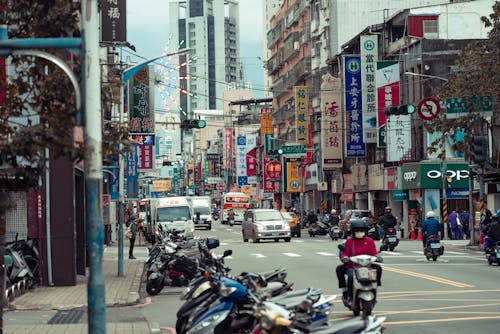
{"x": 202, "y": 210}
{"x": 173, "y": 213}
{"x": 268, "y": 215}
{"x": 286, "y": 215}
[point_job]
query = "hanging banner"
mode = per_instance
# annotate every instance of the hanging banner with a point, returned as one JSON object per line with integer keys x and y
{"x": 398, "y": 138}
{"x": 266, "y": 128}
{"x": 331, "y": 122}
{"x": 369, "y": 57}
{"x": 131, "y": 170}
{"x": 387, "y": 94}
{"x": 301, "y": 114}
{"x": 355, "y": 146}
{"x": 269, "y": 184}
{"x": 228, "y": 149}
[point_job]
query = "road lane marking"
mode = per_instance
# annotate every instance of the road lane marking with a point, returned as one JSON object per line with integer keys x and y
{"x": 257, "y": 255}
{"x": 457, "y": 253}
{"x": 392, "y": 253}
{"x": 325, "y": 254}
{"x": 291, "y": 254}
{"x": 407, "y": 322}
{"x": 428, "y": 277}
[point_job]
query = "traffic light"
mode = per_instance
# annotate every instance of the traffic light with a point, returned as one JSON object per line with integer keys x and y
{"x": 480, "y": 150}
{"x": 405, "y": 109}
{"x": 274, "y": 152}
{"x": 193, "y": 124}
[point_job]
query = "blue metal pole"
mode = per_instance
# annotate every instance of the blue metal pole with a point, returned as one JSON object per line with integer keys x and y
{"x": 42, "y": 43}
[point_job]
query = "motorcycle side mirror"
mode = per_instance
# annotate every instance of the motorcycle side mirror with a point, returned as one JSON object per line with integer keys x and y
{"x": 341, "y": 247}
{"x": 379, "y": 259}
{"x": 212, "y": 243}
{"x": 227, "y": 253}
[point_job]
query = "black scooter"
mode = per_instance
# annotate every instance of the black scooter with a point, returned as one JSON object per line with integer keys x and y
{"x": 434, "y": 249}
{"x": 318, "y": 228}
{"x": 390, "y": 240}
{"x": 493, "y": 255}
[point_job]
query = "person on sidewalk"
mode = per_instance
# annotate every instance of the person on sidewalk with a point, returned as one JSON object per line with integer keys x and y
{"x": 455, "y": 225}
{"x": 133, "y": 228}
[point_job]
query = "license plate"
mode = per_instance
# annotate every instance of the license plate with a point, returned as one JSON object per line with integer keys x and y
{"x": 436, "y": 245}
{"x": 336, "y": 230}
{"x": 392, "y": 239}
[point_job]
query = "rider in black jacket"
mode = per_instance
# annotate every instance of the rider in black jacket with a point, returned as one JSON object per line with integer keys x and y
{"x": 387, "y": 220}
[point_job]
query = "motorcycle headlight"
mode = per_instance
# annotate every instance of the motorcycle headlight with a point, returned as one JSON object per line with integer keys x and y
{"x": 202, "y": 288}
{"x": 207, "y": 322}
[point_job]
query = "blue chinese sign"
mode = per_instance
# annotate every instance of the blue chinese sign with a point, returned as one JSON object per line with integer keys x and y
{"x": 355, "y": 146}
{"x": 132, "y": 186}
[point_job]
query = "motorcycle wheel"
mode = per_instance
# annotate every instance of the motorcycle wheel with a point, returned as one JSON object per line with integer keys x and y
{"x": 434, "y": 257}
{"x": 391, "y": 249}
{"x": 153, "y": 287}
{"x": 367, "y": 308}
{"x": 180, "y": 325}
{"x": 498, "y": 262}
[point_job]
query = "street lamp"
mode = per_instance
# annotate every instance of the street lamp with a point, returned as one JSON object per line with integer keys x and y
{"x": 126, "y": 75}
{"x": 426, "y": 76}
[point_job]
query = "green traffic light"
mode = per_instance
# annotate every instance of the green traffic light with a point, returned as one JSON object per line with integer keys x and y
{"x": 202, "y": 124}
{"x": 410, "y": 108}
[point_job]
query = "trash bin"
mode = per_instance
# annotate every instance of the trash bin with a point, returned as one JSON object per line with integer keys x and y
{"x": 107, "y": 234}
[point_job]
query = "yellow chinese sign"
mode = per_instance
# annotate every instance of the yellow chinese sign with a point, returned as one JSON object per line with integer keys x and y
{"x": 162, "y": 185}
{"x": 266, "y": 121}
{"x": 292, "y": 183}
{"x": 301, "y": 114}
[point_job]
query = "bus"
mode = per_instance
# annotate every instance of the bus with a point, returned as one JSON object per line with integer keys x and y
{"x": 237, "y": 201}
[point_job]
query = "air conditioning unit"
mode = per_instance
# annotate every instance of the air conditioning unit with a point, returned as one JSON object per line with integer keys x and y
{"x": 322, "y": 186}
{"x": 296, "y": 46}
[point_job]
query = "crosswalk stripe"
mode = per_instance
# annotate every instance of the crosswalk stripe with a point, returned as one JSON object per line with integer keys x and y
{"x": 257, "y": 255}
{"x": 458, "y": 253}
{"x": 418, "y": 252}
{"x": 292, "y": 254}
{"x": 325, "y": 254}
{"x": 391, "y": 253}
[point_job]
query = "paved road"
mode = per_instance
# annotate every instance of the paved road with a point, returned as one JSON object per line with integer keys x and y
{"x": 458, "y": 293}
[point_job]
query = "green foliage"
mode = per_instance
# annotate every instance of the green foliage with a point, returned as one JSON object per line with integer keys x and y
{"x": 478, "y": 74}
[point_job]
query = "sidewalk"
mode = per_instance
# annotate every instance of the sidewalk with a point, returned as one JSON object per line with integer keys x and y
{"x": 119, "y": 291}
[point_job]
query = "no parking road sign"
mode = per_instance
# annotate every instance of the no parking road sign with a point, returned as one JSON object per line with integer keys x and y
{"x": 428, "y": 108}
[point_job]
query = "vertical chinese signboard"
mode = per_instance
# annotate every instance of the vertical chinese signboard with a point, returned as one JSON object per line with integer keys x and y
{"x": 113, "y": 20}
{"x": 251, "y": 158}
{"x": 291, "y": 176}
{"x": 241, "y": 161}
{"x": 266, "y": 128}
{"x": 301, "y": 114}
{"x": 387, "y": 94}
{"x": 369, "y": 56}
{"x": 142, "y": 118}
{"x": 355, "y": 146}
{"x": 331, "y": 122}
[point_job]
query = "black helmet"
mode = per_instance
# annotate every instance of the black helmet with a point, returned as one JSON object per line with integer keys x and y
{"x": 358, "y": 225}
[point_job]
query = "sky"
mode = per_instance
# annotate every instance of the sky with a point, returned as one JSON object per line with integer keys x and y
{"x": 148, "y": 31}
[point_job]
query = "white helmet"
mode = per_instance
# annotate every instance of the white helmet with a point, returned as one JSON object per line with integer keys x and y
{"x": 333, "y": 211}
{"x": 430, "y": 214}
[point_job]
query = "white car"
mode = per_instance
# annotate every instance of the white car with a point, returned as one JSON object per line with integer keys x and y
{"x": 261, "y": 224}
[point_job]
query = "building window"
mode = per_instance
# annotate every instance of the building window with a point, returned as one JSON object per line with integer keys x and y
{"x": 430, "y": 28}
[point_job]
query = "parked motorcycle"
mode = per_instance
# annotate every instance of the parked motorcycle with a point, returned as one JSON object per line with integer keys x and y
{"x": 433, "y": 248}
{"x": 318, "y": 228}
{"x": 493, "y": 255}
{"x": 362, "y": 285}
{"x": 335, "y": 232}
{"x": 390, "y": 240}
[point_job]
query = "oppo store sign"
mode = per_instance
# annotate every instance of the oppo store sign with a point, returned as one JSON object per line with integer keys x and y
{"x": 430, "y": 176}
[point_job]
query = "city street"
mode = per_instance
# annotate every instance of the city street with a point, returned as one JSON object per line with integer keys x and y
{"x": 458, "y": 293}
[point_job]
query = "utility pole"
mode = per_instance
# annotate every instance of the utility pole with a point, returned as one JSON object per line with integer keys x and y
{"x": 96, "y": 308}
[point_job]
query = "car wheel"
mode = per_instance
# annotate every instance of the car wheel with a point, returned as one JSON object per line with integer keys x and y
{"x": 245, "y": 239}
{"x": 288, "y": 239}
{"x": 276, "y": 240}
{"x": 255, "y": 239}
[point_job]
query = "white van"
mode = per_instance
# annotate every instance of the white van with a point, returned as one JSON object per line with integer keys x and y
{"x": 201, "y": 205}
{"x": 173, "y": 213}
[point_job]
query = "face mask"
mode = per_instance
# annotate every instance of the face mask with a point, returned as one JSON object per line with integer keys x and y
{"x": 359, "y": 234}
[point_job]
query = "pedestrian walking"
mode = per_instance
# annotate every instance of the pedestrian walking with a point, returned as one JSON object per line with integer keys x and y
{"x": 133, "y": 230}
{"x": 455, "y": 225}
{"x": 464, "y": 218}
